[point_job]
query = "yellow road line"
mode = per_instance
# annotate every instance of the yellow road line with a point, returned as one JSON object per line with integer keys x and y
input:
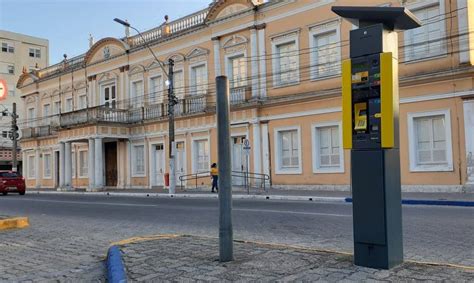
{"x": 15, "y": 222}
{"x": 144, "y": 238}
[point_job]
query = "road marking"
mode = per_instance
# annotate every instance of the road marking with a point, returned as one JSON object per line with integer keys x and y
{"x": 89, "y": 203}
{"x": 203, "y": 208}
{"x": 291, "y": 212}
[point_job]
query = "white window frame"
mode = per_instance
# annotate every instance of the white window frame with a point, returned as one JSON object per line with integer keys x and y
{"x": 322, "y": 29}
{"x": 412, "y": 142}
{"x": 159, "y": 96}
{"x": 10, "y": 48}
{"x": 277, "y": 40}
{"x": 137, "y": 99}
{"x": 194, "y": 153}
{"x": 36, "y": 52}
{"x": 180, "y": 92}
{"x": 82, "y": 98}
{"x": 287, "y": 171}
{"x": 315, "y": 148}
{"x": 67, "y": 109}
{"x": 31, "y": 160}
{"x": 229, "y": 67}
{"x": 134, "y": 160}
{"x": 31, "y": 117}
{"x": 192, "y": 90}
{"x": 10, "y": 69}
{"x": 45, "y": 175}
{"x": 407, "y": 35}
{"x": 108, "y": 84}
{"x": 57, "y": 107}
{"x": 86, "y": 164}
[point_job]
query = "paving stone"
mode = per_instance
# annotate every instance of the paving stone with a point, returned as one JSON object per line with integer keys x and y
{"x": 189, "y": 258}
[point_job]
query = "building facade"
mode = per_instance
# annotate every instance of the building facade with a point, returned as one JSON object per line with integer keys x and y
{"x": 100, "y": 119}
{"x": 18, "y": 51}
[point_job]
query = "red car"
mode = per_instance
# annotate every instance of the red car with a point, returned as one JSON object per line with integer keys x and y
{"x": 12, "y": 182}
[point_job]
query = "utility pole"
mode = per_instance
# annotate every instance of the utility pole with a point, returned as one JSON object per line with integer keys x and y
{"x": 14, "y": 137}
{"x": 226, "y": 238}
{"x": 171, "y": 104}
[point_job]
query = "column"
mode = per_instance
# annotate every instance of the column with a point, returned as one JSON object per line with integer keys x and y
{"x": 93, "y": 96}
{"x": 257, "y": 158}
{"x": 265, "y": 149}
{"x": 62, "y": 165}
{"x": 126, "y": 87}
{"x": 37, "y": 168}
{"x": 129, "y": 164}
{"x": 262, "y": 60}
{"x": 122, "y": 84}
{"x": 217, "y": 55}
{"x": 463, "y": 26}
{"x": 68, "y": 166}
{"x": 91, "y": 163}
{"x": 24, "y": 163}
{"x": 99, "y": 164}
{"x": 254, "y": 62}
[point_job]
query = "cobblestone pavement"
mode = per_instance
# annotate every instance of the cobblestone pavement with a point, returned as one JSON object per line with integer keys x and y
{"x": 190, "y": 258}
{"x": 68, "y": 236}
{"x": 51, "y": 254}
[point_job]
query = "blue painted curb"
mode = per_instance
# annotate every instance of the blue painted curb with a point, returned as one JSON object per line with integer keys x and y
{"x": 432, "y": 202}
{"x": 115, "y": 268}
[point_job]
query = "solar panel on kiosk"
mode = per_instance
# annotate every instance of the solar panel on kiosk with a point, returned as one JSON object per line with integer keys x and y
{"x": 394, "y": 18}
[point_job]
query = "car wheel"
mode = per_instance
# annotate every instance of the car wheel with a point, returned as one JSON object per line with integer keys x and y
{"x": 5, "y": 193}
{"x": 22, "y": 193}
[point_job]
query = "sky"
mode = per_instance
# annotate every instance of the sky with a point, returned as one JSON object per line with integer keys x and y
{"x": 68, "y": 23}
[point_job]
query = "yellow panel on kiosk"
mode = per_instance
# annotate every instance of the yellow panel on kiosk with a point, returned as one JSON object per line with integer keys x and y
{"x": 388, "y": 100}
{"x": 347, "y": 104}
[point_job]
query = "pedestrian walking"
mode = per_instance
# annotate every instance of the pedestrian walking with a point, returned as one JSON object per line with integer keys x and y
{"x": 215, "y": 177}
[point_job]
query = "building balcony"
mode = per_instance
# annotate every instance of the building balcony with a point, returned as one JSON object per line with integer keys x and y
{"x": 131, "y": 112}
{"x": 37, "y": 132}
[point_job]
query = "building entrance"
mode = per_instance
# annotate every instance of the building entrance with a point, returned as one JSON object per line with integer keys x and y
{"x": 110, "y": 164}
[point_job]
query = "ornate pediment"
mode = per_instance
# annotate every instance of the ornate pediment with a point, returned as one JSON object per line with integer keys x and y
{"x": 176, "y": 58}
{"x": 224, "y": 8}
{"x": 196, "y": 52}
{"x": 107, "y": 76}
{"x": 104, "y": 49}
{"x": 234, "y": 40}
{"x": 136, "y": 69}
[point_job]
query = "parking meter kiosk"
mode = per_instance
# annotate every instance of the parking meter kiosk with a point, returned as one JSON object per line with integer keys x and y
{"x": 370, "y": 130}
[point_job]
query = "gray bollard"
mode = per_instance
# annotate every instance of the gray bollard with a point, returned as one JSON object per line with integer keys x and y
{"x": 226, "y": 245}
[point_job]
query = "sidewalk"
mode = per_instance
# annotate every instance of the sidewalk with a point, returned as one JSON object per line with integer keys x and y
{"x": 463, "y": 199}
{"x": 190, "y": 258}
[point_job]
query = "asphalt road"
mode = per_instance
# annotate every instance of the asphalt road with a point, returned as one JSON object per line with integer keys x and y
{"x": 69, "y": 235}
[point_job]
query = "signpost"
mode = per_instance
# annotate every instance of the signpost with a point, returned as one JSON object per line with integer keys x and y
{"x": 247, "y": 149}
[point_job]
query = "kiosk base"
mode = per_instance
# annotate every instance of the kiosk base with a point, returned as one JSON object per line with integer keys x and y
{"x": 376, "y": 205}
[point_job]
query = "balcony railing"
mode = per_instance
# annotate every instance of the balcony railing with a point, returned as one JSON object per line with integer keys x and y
{"x": 127, "y": 112}
{"x": 173, "y": 27}
{"x": 237, "y": 95}
{"x": 36, "y": 132}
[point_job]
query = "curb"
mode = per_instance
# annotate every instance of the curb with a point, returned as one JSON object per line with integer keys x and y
{"x": 262, "y": 197}
{"x": 15, "y": 222}
{"x": 432, "y": 202}
{"x": 115, "y": 268}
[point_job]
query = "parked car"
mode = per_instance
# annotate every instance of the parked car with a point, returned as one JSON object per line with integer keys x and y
{"x": 12, "y": 182}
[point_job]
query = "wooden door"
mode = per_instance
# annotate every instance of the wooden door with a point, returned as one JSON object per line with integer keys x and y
{"x": 111, "y": 164}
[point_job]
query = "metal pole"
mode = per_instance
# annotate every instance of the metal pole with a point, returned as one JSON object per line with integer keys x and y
{"x": 14, "y": 139}
{"x": 226, "y": 248}
{"x": 171, "y": 103}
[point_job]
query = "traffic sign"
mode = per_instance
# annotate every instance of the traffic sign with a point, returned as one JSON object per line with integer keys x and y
{"x": 247, "y": 147}
{"x": 3, "y": 89}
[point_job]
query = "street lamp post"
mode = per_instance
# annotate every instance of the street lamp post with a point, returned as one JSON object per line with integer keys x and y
{"x": 171, "y": 103}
